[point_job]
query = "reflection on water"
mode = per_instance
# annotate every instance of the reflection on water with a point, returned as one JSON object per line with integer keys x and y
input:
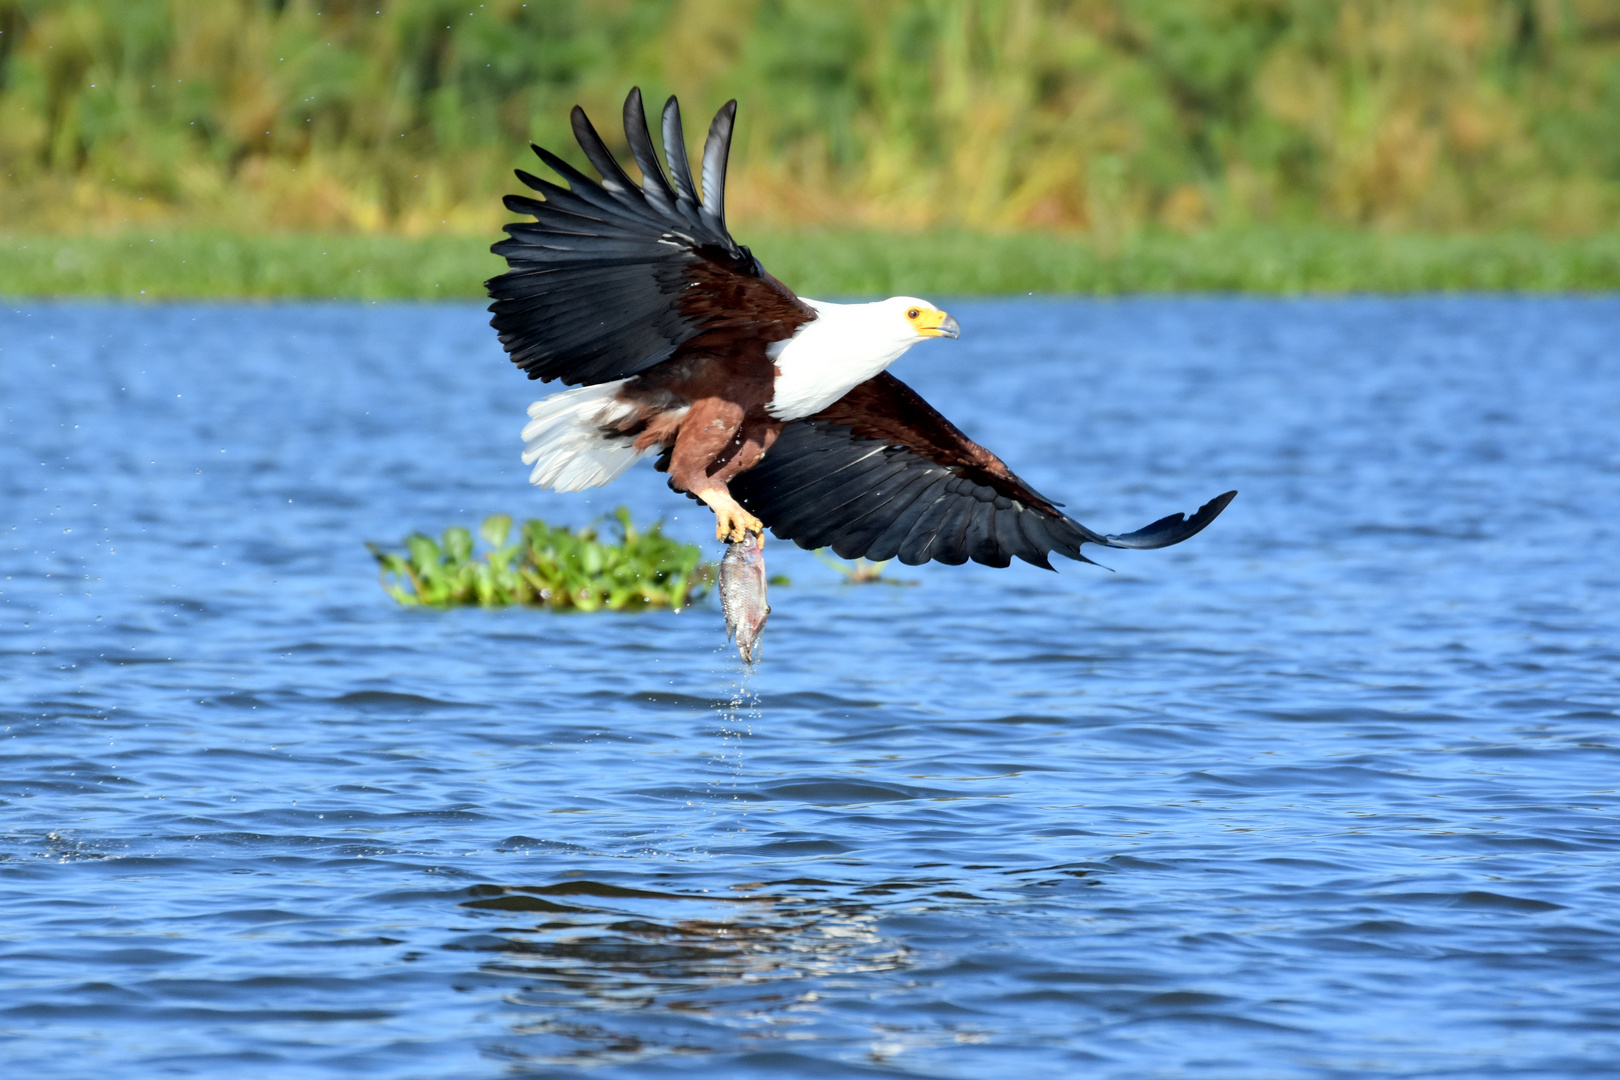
{"x": 643, "y": 966}
{"x": 1326, "y": 792}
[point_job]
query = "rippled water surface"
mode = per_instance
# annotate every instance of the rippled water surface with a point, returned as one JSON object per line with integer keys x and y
{"x": 1327, "y": 791}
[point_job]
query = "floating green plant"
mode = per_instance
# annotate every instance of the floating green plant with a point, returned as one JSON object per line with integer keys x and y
{"x": 860, "y": 571}
{"x": 546, "y": 566}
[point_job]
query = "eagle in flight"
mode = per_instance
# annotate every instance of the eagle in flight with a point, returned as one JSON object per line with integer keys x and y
{"x": 774, "y": 409}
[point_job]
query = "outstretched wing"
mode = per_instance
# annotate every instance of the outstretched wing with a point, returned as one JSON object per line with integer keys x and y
{"x": 613, "y": 278}
{"x": 881, "y": 474}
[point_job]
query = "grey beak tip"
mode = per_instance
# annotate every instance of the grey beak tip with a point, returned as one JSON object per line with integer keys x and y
{"x": 950, "y": 327}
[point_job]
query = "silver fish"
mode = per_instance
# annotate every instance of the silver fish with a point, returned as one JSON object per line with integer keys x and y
{"x": 742, "y": 594}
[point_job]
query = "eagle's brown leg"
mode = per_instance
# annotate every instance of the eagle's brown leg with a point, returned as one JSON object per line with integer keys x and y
{"x": 743, "y": 452}
{"x": 746, "y": 448}
{"x": 706, "y": 434}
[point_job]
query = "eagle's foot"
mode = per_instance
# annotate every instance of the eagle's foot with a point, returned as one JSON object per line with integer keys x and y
{"x": 731, "y": 521}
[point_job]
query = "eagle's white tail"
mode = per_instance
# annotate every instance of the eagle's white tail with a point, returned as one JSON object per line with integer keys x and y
{"x": 570, "y": 442}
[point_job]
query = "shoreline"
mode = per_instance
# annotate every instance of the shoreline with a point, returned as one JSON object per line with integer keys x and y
{"x": 203, "y": 264}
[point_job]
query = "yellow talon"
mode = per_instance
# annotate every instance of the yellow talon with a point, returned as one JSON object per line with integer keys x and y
{"x": 732, "y": 523}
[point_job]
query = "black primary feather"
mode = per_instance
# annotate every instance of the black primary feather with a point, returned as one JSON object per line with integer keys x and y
{"x": 716, "y": 151}
{"x": 680, "y": 169}
{"x": 654, "y": 184}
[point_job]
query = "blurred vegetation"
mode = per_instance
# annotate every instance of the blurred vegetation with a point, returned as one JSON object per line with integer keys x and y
{"x": 556, "y": 568}
{"x": 860, "y": 571}
{"x": 1109, "y": 118}
{"x": 160, "y": 264}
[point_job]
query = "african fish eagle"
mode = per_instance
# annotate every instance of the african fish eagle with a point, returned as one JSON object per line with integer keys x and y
{"x": 773, "y": 409}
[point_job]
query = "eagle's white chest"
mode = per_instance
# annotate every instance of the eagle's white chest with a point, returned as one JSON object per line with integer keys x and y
{"x": 842, "y": 347}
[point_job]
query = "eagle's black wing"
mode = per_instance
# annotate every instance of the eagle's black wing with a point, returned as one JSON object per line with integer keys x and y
{"x": 613, "y": 278}
{"x": 881, "y": 474}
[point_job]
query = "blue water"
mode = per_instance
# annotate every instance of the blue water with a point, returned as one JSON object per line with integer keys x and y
{"x": 1328, "y": 791}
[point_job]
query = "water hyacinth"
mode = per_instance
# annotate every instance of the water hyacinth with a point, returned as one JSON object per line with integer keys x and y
{"x": 545, "y": 566}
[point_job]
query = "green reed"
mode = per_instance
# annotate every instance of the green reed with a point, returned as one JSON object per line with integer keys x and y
{"x": 1095, "y": 116}
{"x": 158, "y": 264}
{"x": 547, "y": 566}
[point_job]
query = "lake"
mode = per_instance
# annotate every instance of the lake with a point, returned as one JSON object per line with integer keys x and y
{"x": 1328, "y": 791}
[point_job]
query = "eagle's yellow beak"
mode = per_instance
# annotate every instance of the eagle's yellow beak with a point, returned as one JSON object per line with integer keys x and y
{"x": 932, "y": 322}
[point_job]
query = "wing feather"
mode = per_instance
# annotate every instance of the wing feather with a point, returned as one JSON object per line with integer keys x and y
{"x": 614, "y": 178}
{"x": 1037, "y": 541}
{"x": 811, "y": 477}
{"x": 878, "y": 513}
{"x": 680, "y": 169}
{"x": 978, "y": 540}
{"x": 715, "y": 152}
{"x": 828, "y": 504}
{"x": 654, "y": 185}
{"x": 867, "y": 515}
{"x": 946, "y": 544}
{"x": 904, "y": 515}
{"x": 914, "y": 550}
{"x": 1174, "y": 528}
{"x": 588, "y": 191}
{"x": 594, "y": 206}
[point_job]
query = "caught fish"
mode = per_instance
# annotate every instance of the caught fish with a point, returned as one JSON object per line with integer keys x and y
{"x": 742, "y": 594}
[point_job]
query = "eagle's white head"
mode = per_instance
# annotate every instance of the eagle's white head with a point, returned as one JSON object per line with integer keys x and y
{"x": 914, "y": 317}
{"x": 846, "y": 344}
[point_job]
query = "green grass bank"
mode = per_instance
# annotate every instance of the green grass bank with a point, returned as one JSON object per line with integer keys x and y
{"x": 174, "y": 265}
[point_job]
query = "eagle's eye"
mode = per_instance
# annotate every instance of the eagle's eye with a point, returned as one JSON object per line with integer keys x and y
{"x": 913, "y": 313}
